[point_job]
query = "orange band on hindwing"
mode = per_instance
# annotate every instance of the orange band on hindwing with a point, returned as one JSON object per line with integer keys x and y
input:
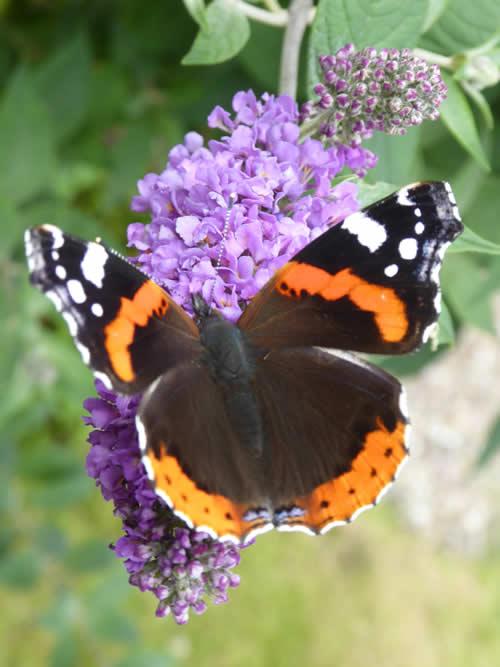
{"x": 215, "y": 512}
{"x": 373, "y": 469}
{"x": 149, "y": 300}
{"x": 297, "y": 279}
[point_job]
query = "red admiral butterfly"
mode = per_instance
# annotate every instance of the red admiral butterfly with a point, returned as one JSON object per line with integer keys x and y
{"x": 266, "y": 423}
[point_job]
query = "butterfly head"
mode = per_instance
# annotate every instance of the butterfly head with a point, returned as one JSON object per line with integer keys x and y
{"x": 201, "y": 308}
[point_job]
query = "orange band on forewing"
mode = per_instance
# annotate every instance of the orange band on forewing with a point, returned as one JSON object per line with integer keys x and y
{"x": 371, "y": 471}
{"x": 147, "y": 301}
{"x": 390, "y": 314}
{"x": 204, "y": 509}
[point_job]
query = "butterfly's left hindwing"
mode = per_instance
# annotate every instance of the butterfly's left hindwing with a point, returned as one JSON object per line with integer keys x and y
{"x": 127, "y": 329}
{"x": 195, "y": 458}
{"x": 368, "y": 284}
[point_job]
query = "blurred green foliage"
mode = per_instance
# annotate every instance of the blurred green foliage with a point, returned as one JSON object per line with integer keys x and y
{"x": 93, "y": 95}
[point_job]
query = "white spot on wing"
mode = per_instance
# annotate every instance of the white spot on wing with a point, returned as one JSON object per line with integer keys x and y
{"x": 61, "y": 272}
{"x": 408, "y": 248}
{"x": 419, "y": 227}
{"x": 93, "y": 263}
{"x": 456, "y": 213}
{"x": 55, "y": 255}
{"x": 391, "y": 270}
{"x": 429, "y": 331}
{"x": 402, "y": 198}
{"x": 76, "y": 291}
{"x": 57, "y": 235}
{"x": 417, "y": 212}
{"x": 369, "y": 233}
{"x": 97, "y": 309}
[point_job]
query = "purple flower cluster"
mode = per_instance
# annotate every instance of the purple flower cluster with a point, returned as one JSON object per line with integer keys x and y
{"x": 363, "y": 91}
{"x": 273, "y": 191}
{"x": 180, "y": 566}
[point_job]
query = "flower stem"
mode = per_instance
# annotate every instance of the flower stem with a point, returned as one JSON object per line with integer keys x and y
{"x": 434, "y": 58}
{"x": 298, "y": 18}
{"x": 273, "y": 5}
{"x": 278, "y": 17}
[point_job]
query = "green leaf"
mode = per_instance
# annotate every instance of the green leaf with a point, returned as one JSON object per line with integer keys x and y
{"x": 108, "y": 97}
{"x": 482, "y": 104}
{"x": 261, "y": 55}
{"x": 463, "y": 25}
{"x": 399, "y": 159}
{"x": 75, "y": 177}
{"x": 468, "y": 288}
{"x": 87, "y": 556}
{"x": 469, "y": 241}
{"x": 63, "y": 82}
{"x": 20, "y": 569}
{"x": 197, "y": 10}
{"x": 446, "y": 330}
{"x": 11, "y": 226}
{"x": 129, "y": 157}
{"x": 491, "y": 446}
{"x": 226, "y": 34}
{"x": 27, "y": 159}
{"x": 436, "y": 8}
{"x": 457, "y": 116}
{"x": 369, "y": 193}
{"x": 385, "y": 23}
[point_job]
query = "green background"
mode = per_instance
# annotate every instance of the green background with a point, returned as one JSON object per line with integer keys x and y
{"x": 93, "y": 95}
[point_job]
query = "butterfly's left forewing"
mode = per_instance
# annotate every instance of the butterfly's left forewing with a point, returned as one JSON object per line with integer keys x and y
{"x": 127, "y": 329}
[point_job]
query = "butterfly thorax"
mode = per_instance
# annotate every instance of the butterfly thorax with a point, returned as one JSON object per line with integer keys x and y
{"x": 226, "y": 352}
{"x": 231, "y": 362}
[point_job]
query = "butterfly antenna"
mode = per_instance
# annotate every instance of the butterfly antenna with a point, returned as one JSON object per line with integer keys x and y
{"x": 222, "y": 245}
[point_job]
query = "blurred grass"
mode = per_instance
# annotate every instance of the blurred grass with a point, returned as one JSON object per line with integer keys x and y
{"x": 371, "y": 593}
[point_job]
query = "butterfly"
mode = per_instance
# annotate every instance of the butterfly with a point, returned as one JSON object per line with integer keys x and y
{"x": 270, "y": 422}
